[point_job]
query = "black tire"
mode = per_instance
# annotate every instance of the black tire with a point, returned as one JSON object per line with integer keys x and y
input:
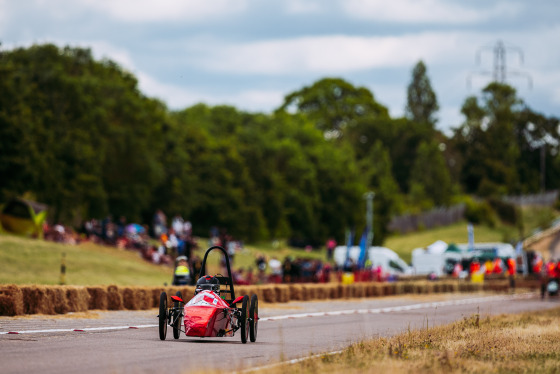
{"x": 243, "y": 325}
{"x": 254, "y": 318}
{"x": 162, "y": 316}
{"x": 177, "y": 311}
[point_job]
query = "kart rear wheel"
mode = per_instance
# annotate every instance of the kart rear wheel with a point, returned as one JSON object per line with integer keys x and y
{"x": 243, "y": 325}
{"x": 162, "y": 316}
{"x": 253, "y": 318}
{"x": 177, "y": 310}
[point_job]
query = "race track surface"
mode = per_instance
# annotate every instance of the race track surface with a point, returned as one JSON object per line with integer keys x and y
{"x": 128, "y": 342}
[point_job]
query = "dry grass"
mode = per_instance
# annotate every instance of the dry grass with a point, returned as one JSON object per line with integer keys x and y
{"x": 523, "y": 343}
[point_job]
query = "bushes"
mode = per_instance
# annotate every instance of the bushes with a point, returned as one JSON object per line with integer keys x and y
{"x": 480, "y": 213}
{"x": 507, "y": 212}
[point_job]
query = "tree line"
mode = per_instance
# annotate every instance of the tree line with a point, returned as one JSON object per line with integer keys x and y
{"x": 77, "y": 134}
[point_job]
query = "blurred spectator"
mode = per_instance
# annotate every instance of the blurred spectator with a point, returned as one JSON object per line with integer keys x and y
{"x": 159, "y": 223}
{"x": 331, "y": 245}
{"x": 239, "y": 277}
{"x": 177, "y": 224}
{"x": 276, "y": 269}
{"x": 287, "y": 270}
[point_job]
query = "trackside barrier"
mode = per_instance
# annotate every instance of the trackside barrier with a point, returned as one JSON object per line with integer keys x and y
{"x": 39, "y": 299}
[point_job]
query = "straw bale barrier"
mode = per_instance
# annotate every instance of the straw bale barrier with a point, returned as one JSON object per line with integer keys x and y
{"x": 11, "y": 300}
{"x": 40, "y": 299}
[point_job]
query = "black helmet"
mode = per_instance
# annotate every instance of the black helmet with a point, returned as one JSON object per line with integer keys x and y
{"x": 209, "y": 283}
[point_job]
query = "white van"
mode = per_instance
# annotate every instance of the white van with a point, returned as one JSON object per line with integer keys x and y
{"x": 389, "y": 260}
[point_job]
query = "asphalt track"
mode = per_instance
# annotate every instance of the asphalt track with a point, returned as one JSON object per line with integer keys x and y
{"x": 128, "y": 342}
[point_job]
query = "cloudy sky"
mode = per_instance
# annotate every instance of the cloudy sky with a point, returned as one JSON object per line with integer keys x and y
{"x": 251, "y": 53}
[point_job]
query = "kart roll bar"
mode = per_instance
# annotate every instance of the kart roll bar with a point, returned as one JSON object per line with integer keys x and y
{"x": 223, "y": 280}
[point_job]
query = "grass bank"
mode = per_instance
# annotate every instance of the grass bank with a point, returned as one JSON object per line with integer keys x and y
{"x": 523, "y": 343}
{"x": 28, "y": 261}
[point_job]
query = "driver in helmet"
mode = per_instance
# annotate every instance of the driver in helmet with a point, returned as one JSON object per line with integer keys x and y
{"x": 208, "y": 283}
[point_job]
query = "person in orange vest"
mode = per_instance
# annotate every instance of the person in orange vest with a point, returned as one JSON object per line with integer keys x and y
{"x": 511, "y": 271}
{"x": 537, "y": 265}
{"x": 550, "y": 266}
{"x": 498, "y": 266}
{"x": 489, "y": 266}
{"x": 475, "y": 266}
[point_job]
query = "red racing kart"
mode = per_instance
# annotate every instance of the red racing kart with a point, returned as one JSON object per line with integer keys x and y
{"x": 211, "y": 313}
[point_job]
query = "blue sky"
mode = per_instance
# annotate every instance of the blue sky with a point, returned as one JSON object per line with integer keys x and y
{"x": 251, "y": 53}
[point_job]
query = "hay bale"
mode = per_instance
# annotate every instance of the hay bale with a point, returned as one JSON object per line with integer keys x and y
{"x": 282, "y": 293}
{"x": 11, "y": 300}
{"x": 322, "y": 292}
{"x": 97, "y": 298}
{"x": 408, "y": 287}
{"x": 77, "y": 299}
{"x": 129, "y": 298}
{"x": 154, "y": 296}
{"x": 387, "y": 289}
{"x": 304, "y": 293}
{"x": 311, "y": 292}
{"x": 357, "y": 290}
{"x": 188, "y": 293}
{"x": 241, "y": 291}
{"x": 269, "y": 295}
{"x": 256, "y": 290}
{"x": 57, "y": 295}
{"x": 343, "y": 291}
{"x": 143, "y": 301}
{"x": 429, "y": 287}
{"x": 369, "y": 289}
{"x": 419, "y": 288}
{"x": 333, "y": 291}
{"x": 296, "y": 292}
{"x": 36, "y": 300}
{"x": 114, "y": 298}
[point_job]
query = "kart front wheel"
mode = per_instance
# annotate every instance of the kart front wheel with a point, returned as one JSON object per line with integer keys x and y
{"x": 243, "y": 325}
{"x": 177, "y": 311}
{"x": 162, "y": 316}
{"x": 253, "y": 318}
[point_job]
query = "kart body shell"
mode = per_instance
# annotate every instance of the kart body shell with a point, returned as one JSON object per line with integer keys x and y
{"x": 208, "y": 315}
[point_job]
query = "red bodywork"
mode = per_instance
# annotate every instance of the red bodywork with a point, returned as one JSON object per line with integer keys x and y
{"x": 207, "y": 315}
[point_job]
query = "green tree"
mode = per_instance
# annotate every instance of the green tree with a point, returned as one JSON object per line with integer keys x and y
{"x": 422, "y": 102}
{"x": 334, "y": 105}
{"x": 487, "y": 142}
{"x": 430, "y": 180}
{"x": 376, "y": 170}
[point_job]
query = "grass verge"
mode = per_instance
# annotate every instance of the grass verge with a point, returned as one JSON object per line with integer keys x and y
{"x": 29, "y": 261}
{"x": 518, "y": 343}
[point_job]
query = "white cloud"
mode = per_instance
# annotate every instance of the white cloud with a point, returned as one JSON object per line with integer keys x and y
{"x": 179, "y": 97}
{"x": 425, "y": 11}
{"x": 175, "y": 97}
{"x": 4, "y": 15}
{"x": 321, "y": 54}
{"x": 303, "y": 7}
{"x": 167, "y": 10}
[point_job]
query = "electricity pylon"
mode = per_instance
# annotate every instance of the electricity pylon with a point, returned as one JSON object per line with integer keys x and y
{"x": 500, "y": 71}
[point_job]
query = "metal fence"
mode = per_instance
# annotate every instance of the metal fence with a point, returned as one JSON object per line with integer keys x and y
{"x": 545, "y": 199}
